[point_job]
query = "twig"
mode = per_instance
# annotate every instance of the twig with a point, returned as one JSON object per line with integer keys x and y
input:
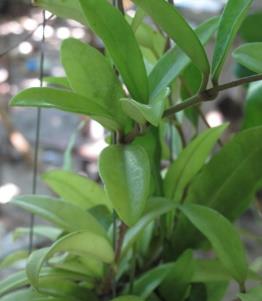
{"x": 121, "y": 6}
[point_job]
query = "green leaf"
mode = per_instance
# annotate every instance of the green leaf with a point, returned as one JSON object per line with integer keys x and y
{"x": 234, "y": 13}
{"x": 59, "y": 81}
{"x": 66, "y": 9}
{"x": 189, "y": 162}
{"x": 149, "y": 281}
{"x": 156, "y": 207}
{"x": 178, "y": 278}
{"x": 125, "y": 171}
{"x": 11, "y": 259}
{"x": 173, "y": 62}
{"x": 248, "y": 29}
{"x": 252, "y": 295}
{"x": 92, "y": 76}
{"x": 49, "y": 232}
{"x": 65, "y": 101}
{"x": 128, "y": 298}
{"x": 232, "y": 174}
{"x": 253, "y": 106}
{"x": 223, "y": 237}
{"x": 250, "y": 56}
{"x": 76, "y": 189}
{"x": 109, "y": 24}
{"x": 173, "y": 23}
{"x": 141, "y": 113}
{"x": 60, "y": 213}
{"x": 82, "y": 243}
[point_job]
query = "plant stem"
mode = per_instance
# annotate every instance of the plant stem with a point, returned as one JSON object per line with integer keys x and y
{"x": 210, "y": 94}
{"x": 121, "y": 6}
{"x": 119, "y": 242}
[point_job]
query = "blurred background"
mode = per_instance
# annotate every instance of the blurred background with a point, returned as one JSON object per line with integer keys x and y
{"x": 68, "y": 138}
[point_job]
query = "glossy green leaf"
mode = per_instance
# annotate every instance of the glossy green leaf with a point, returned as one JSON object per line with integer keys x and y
{"x": 234, "y": 14}
{"x": 13, "y": 258}
{"x": 76, "y": 189}
{"x": 173, "y": 62}
{"x": 67, "y": 9}
{"x": 189, "y": 162}
{"x": 252, "y": 295}
{"x": 92, "y": 76}
{"x": 178, "y": 278}
{"x": 250, "y": 56}
{"x": 173, "y": 23}
{"x": 125, "y": 171}
{"x": 253, "y": 106}
{"x": 82, "y": 243}
{"x": 141, "y": 113}
{"x": 156, "y": 207}
{"x": 109, "y": 24}
{"x": 60, "y": 213}
{"x": 232, "y": 174}
{"x": 65, "y": 101}
{"x": 48, "y": 232}
{"x": 223, "y": 237}
{"x": 128, "y": 298}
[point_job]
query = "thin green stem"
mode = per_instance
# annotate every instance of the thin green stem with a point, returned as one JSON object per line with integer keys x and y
{"x": 210, "y": 94}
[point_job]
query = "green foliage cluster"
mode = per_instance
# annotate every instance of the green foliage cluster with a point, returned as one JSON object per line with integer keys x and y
{"x": 137, "y": 236}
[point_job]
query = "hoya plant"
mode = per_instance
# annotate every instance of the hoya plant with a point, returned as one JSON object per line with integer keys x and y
{"x": 160, "y": 226}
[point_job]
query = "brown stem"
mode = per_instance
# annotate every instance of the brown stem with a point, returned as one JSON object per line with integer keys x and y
{"x": 119, "y": 242}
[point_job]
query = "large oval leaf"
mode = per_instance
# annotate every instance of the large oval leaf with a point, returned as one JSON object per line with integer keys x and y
{"x": 109, "y": 24}
{"x": 92, "y": 76}
{"x": 66, "y": 101}
{"x": 189, "y": 162}
{"x": 223, "y": 237}
{"x": 173, "y": 62}
{"x": 250, "y": 56}
{"x": 82, "y": 243}
{"x": 60, "y": 213}
{"x": 125, "y": 171}
{"x": 173, "y": 23}
{"x": 76, "y": 189}
{"x": 232, "y": 17}
{"x": 253, "y": 106}
{"x": 227, "y": 184}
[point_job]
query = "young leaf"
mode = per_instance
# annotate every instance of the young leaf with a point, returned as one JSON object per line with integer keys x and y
{"x": 156, "y": 207}
{"x": 141, "y": 113}
{"x": 60, "y": 213}
{"x": 223, "y": 237}
{"x": 234, "y": 13}
{"x": 92, "y": 76}
{"x": 60, "y": 81}
{"x": 76, "y": 189}
{"x": 178, "y": 278}
{"x": 82, "y": 243}
{"x": 232, "y": 174}
{"x": 173, "y": 62}
{"x": 65, "y": 101}
{"x": 189, "y": 162}
{"x": 252, "y": 295}
{"x": 125, "y": 171}
{"x": 108, "y": 23}
{"x": 66, "y": 9}
{"x": 173, "y": 23}
{"x": 48, "y": 232}
{"x": 253, "y": 106}
{"x": 250, "y": 56}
